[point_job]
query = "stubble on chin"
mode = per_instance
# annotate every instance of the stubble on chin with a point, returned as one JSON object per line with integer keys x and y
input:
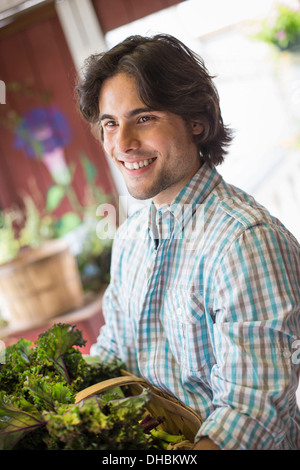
{"x": 162, "y": 183}
{"x": 141, "y": 194}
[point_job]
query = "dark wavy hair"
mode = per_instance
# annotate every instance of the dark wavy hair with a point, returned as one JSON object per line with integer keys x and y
{"x": 170, "y": 77}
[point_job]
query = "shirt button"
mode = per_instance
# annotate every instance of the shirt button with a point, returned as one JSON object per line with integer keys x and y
{"x": 148, "y": 271}
{"x": 179, "y": 311}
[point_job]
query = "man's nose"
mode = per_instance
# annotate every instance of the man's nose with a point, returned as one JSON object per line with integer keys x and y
{"x": 127, "y": 139}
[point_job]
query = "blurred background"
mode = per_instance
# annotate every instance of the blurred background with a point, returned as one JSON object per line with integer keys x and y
{"x": 43, "y": 45}
{"x": 253, "y": 50}
{"x": 54, "y": 175}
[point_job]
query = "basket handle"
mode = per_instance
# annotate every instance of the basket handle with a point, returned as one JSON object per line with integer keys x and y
{"x": 108, "y": 384}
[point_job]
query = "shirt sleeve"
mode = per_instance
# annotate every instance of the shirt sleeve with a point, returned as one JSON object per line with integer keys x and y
{"x": 106, "y": 346}
{"x": 256, "y": 310}
{"x": 116, "y": 338}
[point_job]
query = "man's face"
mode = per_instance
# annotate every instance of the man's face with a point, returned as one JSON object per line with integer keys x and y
{"x": 154, "y": 150}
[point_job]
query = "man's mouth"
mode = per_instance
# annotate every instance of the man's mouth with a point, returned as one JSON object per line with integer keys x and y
{"x": 139, "y": 164}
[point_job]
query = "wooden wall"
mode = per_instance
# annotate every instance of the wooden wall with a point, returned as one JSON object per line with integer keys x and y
{"x": 115, "y": 13}
{"x": 34, "y": 52}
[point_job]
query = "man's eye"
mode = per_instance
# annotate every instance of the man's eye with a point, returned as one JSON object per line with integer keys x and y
{"x": 109, "y": 123}
{"x": 145, "y": 118}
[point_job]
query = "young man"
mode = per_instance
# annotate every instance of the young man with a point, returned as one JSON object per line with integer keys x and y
{"x": 204, "y": 295}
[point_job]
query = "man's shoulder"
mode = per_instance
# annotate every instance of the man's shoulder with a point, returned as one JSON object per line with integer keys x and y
{"x": 243, "y": 212}
{"x": 246, "y": 212}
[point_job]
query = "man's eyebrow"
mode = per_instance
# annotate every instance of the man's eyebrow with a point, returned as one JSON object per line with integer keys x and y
{"x": 130, "y": 114}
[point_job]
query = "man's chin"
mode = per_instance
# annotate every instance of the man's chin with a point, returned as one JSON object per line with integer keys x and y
{"x": 141, "y": 195}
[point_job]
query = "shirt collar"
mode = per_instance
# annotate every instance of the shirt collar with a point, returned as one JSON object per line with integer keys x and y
{"x": 195, "y": 192}
{"x": 197, "y": 189}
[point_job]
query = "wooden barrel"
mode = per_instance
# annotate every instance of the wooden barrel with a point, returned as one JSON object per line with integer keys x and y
{"x": 40, "y": 284}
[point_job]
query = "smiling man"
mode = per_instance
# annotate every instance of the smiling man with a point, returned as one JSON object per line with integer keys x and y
{"x": 204, "y": 295}
{"x": 155, "y": 150}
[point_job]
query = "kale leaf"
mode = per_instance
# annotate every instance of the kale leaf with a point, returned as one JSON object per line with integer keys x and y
{"x": 17, "y": 417}
{"x": 100, "y": 423}
{"x": 39, "y": 382}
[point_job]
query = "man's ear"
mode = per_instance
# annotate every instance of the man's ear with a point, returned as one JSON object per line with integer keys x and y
{"x": 197, "y": 127}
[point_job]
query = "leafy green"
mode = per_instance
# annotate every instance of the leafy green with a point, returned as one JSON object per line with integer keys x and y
{"x": 281, "y": 28}
{"x": 16, "y": 362}
{"x": 17, "y": 417}
{"x": 96, "y": 423}
{"x": 67, "y": 222}
{"x": 54, "y": 343}
{"x": 88, "y": 167}
{"x": 39, "y": 383}
{"x": 46, "y": 395}
{"x": 54, "y": 197}
{"x": 129, "y": 404}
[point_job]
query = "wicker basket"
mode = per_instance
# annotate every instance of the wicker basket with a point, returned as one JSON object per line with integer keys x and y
{"x": 179, "y": 418}
{"x": 40, "y": 283}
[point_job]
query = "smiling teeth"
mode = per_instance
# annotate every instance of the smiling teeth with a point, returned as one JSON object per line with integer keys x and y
{"x": 137, "y": 165}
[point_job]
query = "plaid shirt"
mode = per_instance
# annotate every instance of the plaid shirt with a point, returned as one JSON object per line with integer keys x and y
{"x": 204, "y": 303}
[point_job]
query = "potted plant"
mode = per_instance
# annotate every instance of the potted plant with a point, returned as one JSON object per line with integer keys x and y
{"x": 281, "y": 28}
{"x": 31, "y": 236}
{"x": 41, "y": 276}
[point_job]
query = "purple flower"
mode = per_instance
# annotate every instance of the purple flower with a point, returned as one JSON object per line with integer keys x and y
{"x": 41, "y": 131}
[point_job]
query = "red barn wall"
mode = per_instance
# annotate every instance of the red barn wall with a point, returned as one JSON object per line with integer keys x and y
{"x": 115, "y": 13}
{"x": 33, "y": 50}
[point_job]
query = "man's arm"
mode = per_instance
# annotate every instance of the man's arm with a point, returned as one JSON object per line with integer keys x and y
{"x": 257, "y": 309}
{"x": 205, "y": 444}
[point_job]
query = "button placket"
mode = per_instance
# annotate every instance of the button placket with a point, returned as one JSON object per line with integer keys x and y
{"x": 179, "y": 311}
{"x": 150, "y": 265}
{"x": 148, "y": 271}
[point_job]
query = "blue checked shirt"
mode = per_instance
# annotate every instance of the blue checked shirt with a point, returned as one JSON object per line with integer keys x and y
{"x": 204, "y": 303}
